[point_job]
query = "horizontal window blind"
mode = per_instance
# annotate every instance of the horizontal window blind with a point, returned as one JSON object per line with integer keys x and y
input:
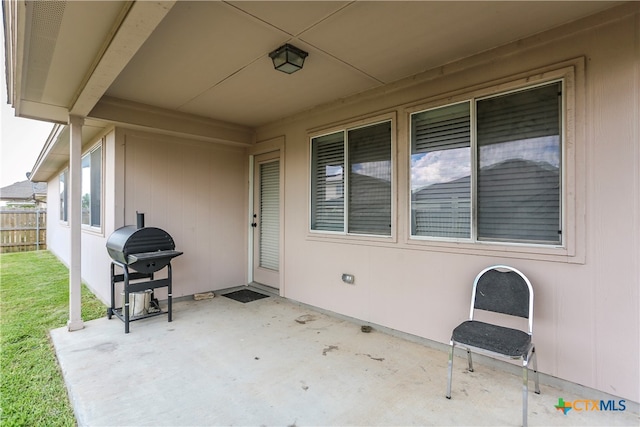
{"x": 519, "y": 157}
{"x": 369, "y": 151}
{"x": 270, "y": 215}
{"x": 441, "y": 129}
{"x": 522, "y": 115}
{"x": 442, "y": 208}
{"x": 327, "y": 182}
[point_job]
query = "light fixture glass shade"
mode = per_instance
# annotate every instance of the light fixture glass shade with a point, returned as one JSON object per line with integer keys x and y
{"x": 288, "y": 58}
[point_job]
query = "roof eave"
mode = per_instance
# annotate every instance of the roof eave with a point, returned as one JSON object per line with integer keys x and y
{"x": 41, "y": 171}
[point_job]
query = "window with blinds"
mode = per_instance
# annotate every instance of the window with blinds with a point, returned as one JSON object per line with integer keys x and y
{"x": 63, "y": 181}
{"x": 327, "y": 182}
{"x": 440, "y": 172}
{"x": 517, "y": 178}
{"x": 92, "y": 187}
{"x": 370, "y": 180}
{"x": 356, "y": 200}
{"x": 519, "y": 157}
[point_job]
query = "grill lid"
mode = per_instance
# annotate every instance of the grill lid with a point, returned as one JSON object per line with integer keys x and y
{"x": 130, "y": 240}
{"x": 146, "y": 249}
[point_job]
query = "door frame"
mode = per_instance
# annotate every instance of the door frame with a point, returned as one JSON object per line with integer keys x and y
{"x": 264, "y": 147}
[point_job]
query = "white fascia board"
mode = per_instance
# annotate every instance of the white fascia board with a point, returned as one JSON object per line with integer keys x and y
{"x": 139, "y": 23}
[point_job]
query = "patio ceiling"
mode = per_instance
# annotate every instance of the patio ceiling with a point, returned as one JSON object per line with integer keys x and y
{"x": 202, "y": 67}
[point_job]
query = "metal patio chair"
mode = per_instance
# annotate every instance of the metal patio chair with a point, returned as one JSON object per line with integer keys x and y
{"x": 499, "y": 289}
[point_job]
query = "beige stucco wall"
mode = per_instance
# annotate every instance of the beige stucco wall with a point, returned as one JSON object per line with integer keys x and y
{"x": 197, "y": 192}
{"x": 58, "y": 233}
{"x": 587, "y": 306}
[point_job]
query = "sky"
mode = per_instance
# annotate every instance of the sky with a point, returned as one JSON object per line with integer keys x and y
{"x": 21, "y": 140}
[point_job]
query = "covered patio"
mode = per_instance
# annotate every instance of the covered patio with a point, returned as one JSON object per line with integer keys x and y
{"x": 276, "y": 362}
{"x": 237, "y": 162}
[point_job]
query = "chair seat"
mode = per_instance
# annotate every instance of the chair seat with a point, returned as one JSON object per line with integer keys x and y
{"x": 498, "y": 339}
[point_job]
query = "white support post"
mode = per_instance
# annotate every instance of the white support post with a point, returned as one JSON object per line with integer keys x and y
{"x": 75, "y": 186}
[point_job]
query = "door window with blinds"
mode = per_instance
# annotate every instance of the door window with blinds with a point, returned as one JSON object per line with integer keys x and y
{"x": 351, "y": 181}
{"x": 270, "y": 215}
{"x": 490, "y": 169}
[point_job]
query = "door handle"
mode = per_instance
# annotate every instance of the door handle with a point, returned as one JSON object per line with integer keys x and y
{"x": 254, "y": 225}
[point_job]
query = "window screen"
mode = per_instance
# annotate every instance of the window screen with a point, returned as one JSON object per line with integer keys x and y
{"x": 519, "y": 157}
{"x": 357, "y": 202}
{"x": 327, "y": 183}
{"x": 370, "y": 180}
{"x": 92, "y": 187}
{"x": 440, "y": 172}
{"x": 516, "y": 183}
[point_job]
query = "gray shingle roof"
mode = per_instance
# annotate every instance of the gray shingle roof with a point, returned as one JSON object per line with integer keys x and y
{"x": 23, "y": 190}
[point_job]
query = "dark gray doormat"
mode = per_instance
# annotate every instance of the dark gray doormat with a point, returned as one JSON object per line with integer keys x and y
{"x": 245, "y": 295}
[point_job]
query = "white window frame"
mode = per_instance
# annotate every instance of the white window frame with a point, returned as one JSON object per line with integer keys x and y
{"x": 474, "y": 197}
{"x": 344, "y": 234}
{"x": 572, "y": 173}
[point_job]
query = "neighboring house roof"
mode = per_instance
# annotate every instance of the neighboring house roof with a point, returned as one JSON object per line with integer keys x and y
{"x": 24, "y": 191}
{"x": 540, "y": 179}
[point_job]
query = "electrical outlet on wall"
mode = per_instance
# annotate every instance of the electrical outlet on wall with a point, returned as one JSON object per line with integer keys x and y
{"x": 348, "y": 278}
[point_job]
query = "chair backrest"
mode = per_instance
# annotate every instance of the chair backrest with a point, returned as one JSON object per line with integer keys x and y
{"x": 503, "y": 289}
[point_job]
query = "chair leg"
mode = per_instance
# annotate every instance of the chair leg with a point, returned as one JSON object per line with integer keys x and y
{"x": 469, "y": 360}
{"x": 534, "y": 360}
{"x": 525, "y": 392}
{"x": 450, "y": 371}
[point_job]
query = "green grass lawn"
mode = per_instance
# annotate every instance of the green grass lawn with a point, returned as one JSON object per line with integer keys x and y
{"x": 34, "y": 298}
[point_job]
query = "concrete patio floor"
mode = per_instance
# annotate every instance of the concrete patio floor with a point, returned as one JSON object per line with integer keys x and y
{"x": 277, "y": 363}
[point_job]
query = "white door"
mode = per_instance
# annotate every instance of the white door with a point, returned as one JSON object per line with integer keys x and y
{"x": 266, "y": 220}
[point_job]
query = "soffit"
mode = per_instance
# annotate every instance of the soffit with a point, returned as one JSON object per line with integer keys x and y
{"x": 210, "y": 58}
{"x": 413, "y": 37}
{"x": 219, "y": 67}
{"x": 64, "y": 39}
{"x": 55, "y": 154}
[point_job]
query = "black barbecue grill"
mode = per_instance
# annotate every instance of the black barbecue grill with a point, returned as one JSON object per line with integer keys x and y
{"x": 139, "y": 252}
{"x": 145, "y": 250}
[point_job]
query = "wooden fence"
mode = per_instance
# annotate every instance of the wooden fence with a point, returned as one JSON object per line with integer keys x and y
{"x": 23, "y": 230}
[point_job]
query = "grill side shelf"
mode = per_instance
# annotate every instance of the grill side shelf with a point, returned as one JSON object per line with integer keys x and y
{"x": 146, "y": 256}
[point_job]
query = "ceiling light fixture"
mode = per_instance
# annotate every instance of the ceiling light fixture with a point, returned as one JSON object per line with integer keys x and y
{"x": 288, "y": 58}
